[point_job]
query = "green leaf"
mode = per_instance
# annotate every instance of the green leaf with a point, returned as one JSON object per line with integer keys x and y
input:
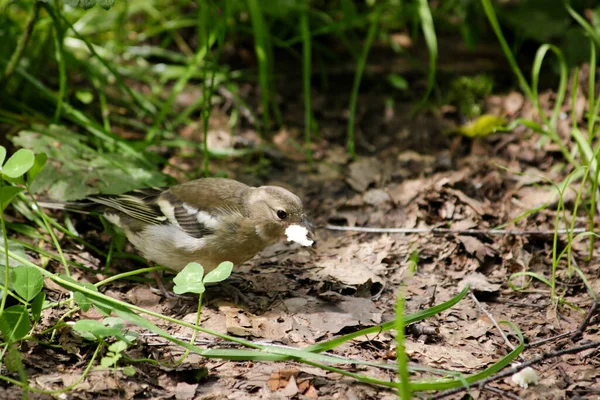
{"x": 219, "y": 274}
{"x": 18, "y": 163}
{"x": 13, "y": 359}
{"x": 87, "y": 4}
{"x": 37, "y": 305}
{"x": 397, "y": 81}
{"x": 189, "y": 279}
{"x": 129, "y": 336}
{"x": 109, "y": 361}
{"x": 84, "y": 96}
{"x": 106, "y": 4}
{"x": 72, "y": 3}
{"x": 96, "y": 328}
{"x": 15, "y": 248}
{"x": 62, "y": 176}
{"x": 38, "y": 165}
{"x": 7, "y": 193}
{"x": 2, "y": 155}
{"x": 82, "y": 300}
{"x": 27, "y": 281}
{"x": 14, "y": 323}
{"x": 118, "y": 346}
{"x": 128, "y": 370}
{"x": 482, "y": 126}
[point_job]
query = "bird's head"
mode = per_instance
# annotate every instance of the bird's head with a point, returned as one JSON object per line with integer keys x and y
{"x": 273, "y": 210}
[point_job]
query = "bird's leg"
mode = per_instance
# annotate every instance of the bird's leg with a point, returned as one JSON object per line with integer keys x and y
{"x": 159, "y": 283}
{"x": 161, "y": 286}
{"x": 236, "y": 294}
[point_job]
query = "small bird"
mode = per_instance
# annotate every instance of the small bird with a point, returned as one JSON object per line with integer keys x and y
{"x": 207, "y": 220}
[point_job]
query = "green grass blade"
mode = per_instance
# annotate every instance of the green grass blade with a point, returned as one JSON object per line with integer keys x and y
{"x": 401, "y": 357}
{"x": 491, "y": 14}
{"x": 306, "y": 74}
{"x": 471, "y": 379}
{"x": 360, "y": 67}
{"x": 408, "y": 319}
{"x": 260, "y": 47}
{"x": 431, "y": 41}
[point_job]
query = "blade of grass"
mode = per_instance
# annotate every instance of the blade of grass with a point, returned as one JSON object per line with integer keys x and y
{"x": 207, "y": 92}
{"x": 85, "y": 122}
{"x": 360, "y": 68}
{"x": 146, "y": 106}
{"x": 562, "y": 86}
{"x": 431, "y": 41}
{"x": 59, "y": 52}
{"x": 585, "y": 24}
{"x": 408, "y": 319}
{"x": 21, "y": 43}
{"x": 491, "y": 14}
{"x": 472, "y": 379}
{"x": 260, "y": 47}
{"x": 401, "y": 358}
{"x": 306, "y": 74}
{"x": 191, "y": 68}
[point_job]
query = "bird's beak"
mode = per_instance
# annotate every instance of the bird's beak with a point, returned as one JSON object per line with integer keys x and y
{"x": 306, "y": 223}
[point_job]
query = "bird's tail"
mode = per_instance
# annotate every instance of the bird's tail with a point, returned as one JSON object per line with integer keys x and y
{"x": 82, "y": 207}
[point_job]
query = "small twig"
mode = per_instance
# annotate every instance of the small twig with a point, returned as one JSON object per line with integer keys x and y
{"x": 594, "y": 309}
{"x": 514, "y": 370}
{"x": 550, "y": 339}
{"x": 518, "y": 304}
{"x": 444, "y": 231}
{"x": 505, "y": 394}
{"x": 491, "y": 317}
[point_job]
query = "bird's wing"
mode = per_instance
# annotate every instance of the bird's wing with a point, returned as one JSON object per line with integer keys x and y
{"x": 194, "y": 206}
{"x": 197, "y": 206}
{"x": 139, "y": 204}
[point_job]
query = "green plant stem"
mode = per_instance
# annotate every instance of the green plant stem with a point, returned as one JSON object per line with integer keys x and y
{"x": 306, "y": 74}
{"x": 592, "y": 111}
{"x": 60, "y": 58}
{"x": 59, "y": 391}
{"x": 130, "y": 273}
{"x": 84, "y": 121}
{"x": 491, "y": 14}
{"x": 50, "y": 231}
{"x": 431, "y": 40}
{"x": 260, "y": 47}
{"x": 92, "y": 294}
{"x": 21, "y": 43}
{"x": 72, "y": 310}
{"x": 408, "y": 319}
{"x": 6, "y": 258}
{"x": 194, "y": 332}
{"x": 403, "y": 373}
{"x": 178, "y": 87}
{"x": 531, "y": 91}
{"x": 207, "y": 92}
{"x": 360, "y": 68}
{"x": 146, "y": 106}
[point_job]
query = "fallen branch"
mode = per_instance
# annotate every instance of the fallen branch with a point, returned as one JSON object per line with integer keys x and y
{"x": 594, "y": 309}
{"x": 514, "y": 370}
{"x": 444, "y": 231}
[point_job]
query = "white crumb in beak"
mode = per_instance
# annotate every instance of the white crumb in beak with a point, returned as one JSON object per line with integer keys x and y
{"x": 525, "y": 377}
{"x": 298, "y": 234}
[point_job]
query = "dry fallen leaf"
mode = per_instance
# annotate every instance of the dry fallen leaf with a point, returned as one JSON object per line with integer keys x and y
{"x": 363, "y": 173}
{"x": 479, "y": 283}
{"x": 185, "y": 391}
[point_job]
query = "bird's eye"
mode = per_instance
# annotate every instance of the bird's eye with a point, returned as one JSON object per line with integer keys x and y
{"x": 281, "y": 214}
